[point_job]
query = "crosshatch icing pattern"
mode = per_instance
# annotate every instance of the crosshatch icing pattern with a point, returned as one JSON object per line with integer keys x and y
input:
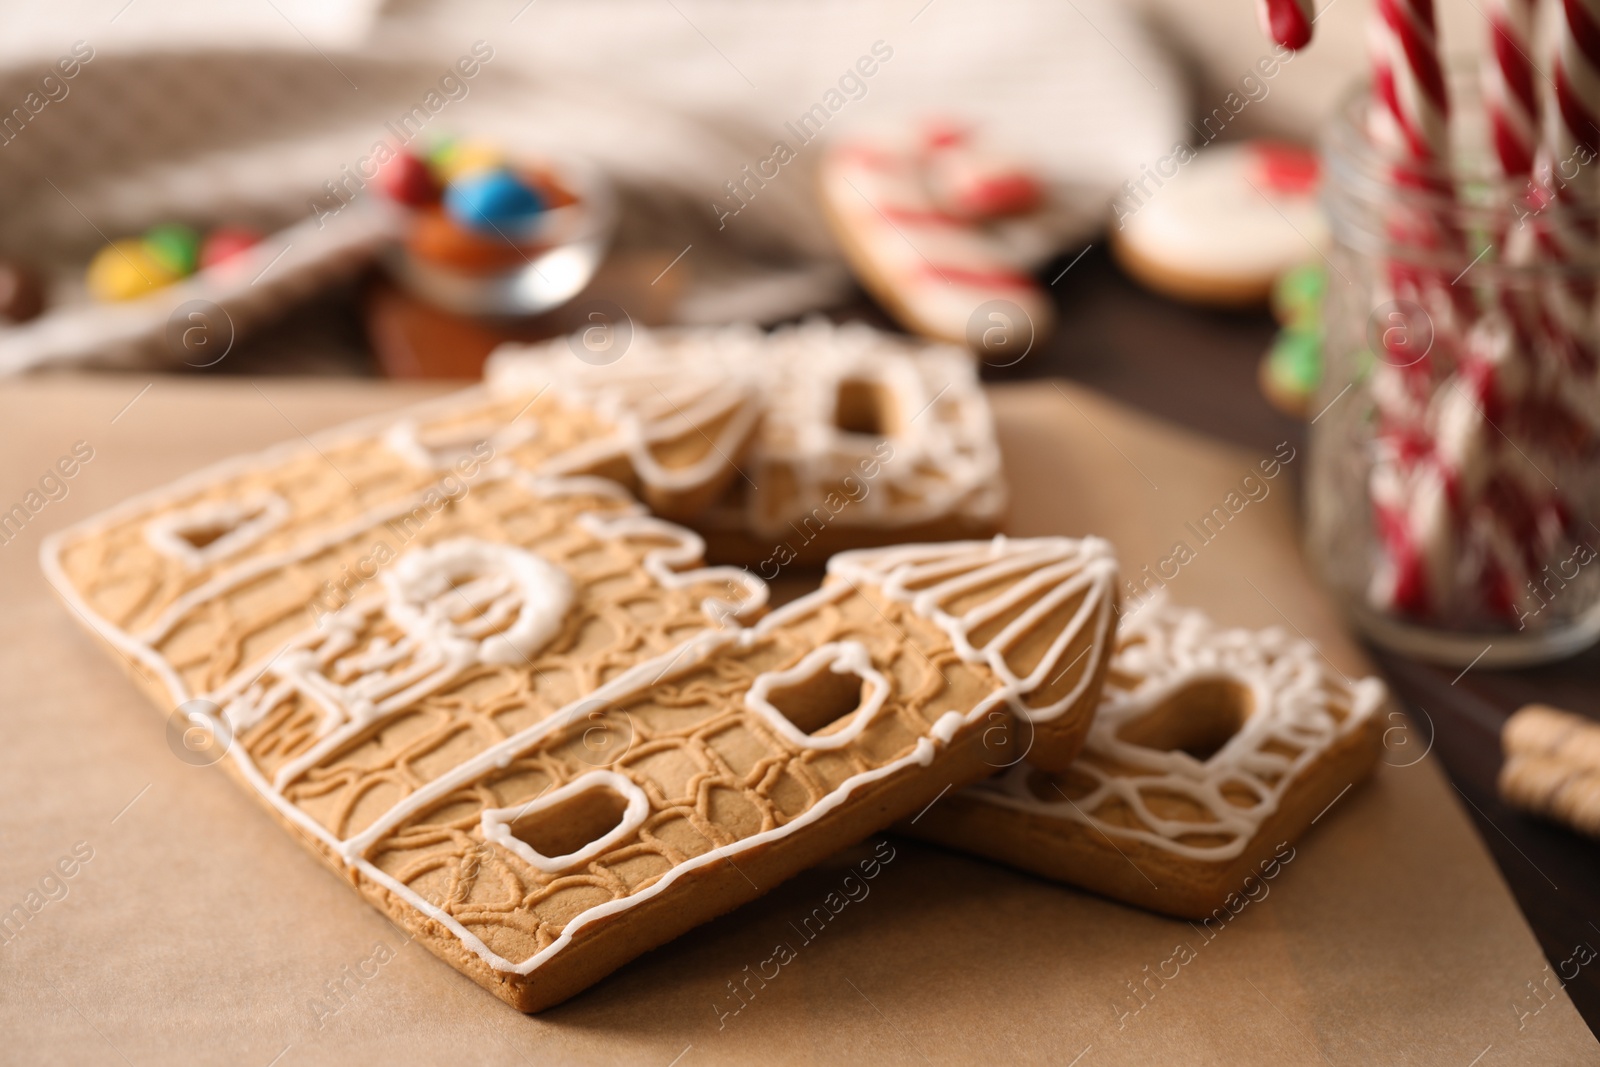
{"x": 414, "y": 676}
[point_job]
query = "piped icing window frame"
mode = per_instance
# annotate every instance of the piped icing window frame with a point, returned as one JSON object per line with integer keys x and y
{"x": 854, "y": 658}
{"x": 267, "y": 512}
{"x": 496, "y": 823}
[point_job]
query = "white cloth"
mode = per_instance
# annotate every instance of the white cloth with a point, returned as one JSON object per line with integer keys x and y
{"x": 216, "y": 113}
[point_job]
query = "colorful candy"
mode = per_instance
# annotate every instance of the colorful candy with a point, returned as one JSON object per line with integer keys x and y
{"x": 462, "y": 159}
{"x": 471, "y": 208}
{"x": 125, "y": 269}
{"x": 225, "y": 242}
{"x": 492, "y": 202}
{"x": 175, "y": 246}
{"x": 407, "y": 179}
{"x": 1291, "y": 371}
{"x": 135, "y": 266}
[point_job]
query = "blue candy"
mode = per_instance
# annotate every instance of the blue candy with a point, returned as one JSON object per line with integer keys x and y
{"x": 491, "y": 202}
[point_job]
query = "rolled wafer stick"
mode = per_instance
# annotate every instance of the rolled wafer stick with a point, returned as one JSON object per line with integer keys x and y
{"x": 1552, "y": 766}
{"x": 1288, "y": 22}
{"x": 1539, "y": 730}
{"x": 1554, "y": 788}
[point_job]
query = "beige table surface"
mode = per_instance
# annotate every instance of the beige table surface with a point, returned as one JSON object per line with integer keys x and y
{"x": 199, "y": 932}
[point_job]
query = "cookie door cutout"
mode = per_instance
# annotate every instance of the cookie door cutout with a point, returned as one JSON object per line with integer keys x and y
{"x": 1197, "y": 719}
{"x": 832, "y": 684}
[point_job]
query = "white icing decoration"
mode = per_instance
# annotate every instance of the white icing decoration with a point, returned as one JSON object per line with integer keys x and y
{"x": 945, "y": 461}
{"x": 647, "y": 408}
{"x": 928, "y": 576}
{"x": 1169, "y": 650}
{"x": 496, "y": 822}
{"x": 245, "y": 522}
{"x": 441, "y": 450}
{"x": 684, "y": 546}
{"x": 424, "y": 597}
{"x": 841, "y": 657}
{"x": 1216, "y": 220}
{"x": 387, "y": 680}
{"x": 520, "y": 600}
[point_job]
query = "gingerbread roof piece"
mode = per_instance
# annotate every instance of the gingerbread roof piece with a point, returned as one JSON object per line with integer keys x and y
{"x": 1039, "y": 612}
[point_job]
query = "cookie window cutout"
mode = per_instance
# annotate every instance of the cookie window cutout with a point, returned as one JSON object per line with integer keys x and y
{"x": 206, "y": 533}
{"x": 833, "y": 684}
{"x": 866, "y": 408}
{"x": 449, "y": 447}
{"x": 1198, "y": 719}
{"x": 567, "y": 828}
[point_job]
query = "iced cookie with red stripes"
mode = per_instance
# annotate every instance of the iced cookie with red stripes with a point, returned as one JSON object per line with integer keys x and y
{"x": 1212, "y": 751}
{"x": 911, "y": 219}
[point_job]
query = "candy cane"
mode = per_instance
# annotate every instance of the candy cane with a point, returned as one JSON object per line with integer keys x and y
{"x": 1511, "y": 105}
{"x": 1413, "y": 109}
{"x": 1288, "y": 22}
{"x": 1509, "y": 89}
{"x": 1572, "y": 142}
{"x": 1412, "y": 490}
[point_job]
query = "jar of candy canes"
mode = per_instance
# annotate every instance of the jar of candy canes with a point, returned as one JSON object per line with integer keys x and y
{"x": 1453, "y": 496}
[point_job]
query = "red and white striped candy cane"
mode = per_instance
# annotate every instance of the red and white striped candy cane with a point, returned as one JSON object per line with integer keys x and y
{"x": 1412, "y": 111}
{"x": 1566, "y": 177}
{"x": 1511, "y": 108}
{"x": 1511, "y": 97}
{"x": 1412, "y": 494}
{"x": 1288, "y": 22}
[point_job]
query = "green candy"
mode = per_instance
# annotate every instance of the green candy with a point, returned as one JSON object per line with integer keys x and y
{"x": 1297, "y": 297}
{"x": 1295, "y": 362}
{"x": 175, "y": 246}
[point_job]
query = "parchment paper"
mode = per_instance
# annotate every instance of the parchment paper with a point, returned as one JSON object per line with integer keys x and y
{"x": 198, "y": 932}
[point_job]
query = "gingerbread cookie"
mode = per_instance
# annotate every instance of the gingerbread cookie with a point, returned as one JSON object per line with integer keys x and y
{"x": 1223, "y": 224}
{"x": 529, "y": 725}
{"x": 904, "y": 217}
{"x": 409, "y": 466}
{"x": 1211, "y": 749}
{"x": 864, "y": 438}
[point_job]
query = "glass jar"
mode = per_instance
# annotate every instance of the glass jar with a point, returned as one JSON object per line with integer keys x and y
{"x": 1453, "y": 497}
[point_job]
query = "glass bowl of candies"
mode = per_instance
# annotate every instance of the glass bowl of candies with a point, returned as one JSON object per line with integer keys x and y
{"x": 490, "y": 235}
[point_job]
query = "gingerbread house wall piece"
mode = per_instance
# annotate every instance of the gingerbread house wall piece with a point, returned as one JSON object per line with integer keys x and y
{"x": 863, "y": 436}
{"x": 1211, "y": 748}
{"x": 408, "y": 727}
